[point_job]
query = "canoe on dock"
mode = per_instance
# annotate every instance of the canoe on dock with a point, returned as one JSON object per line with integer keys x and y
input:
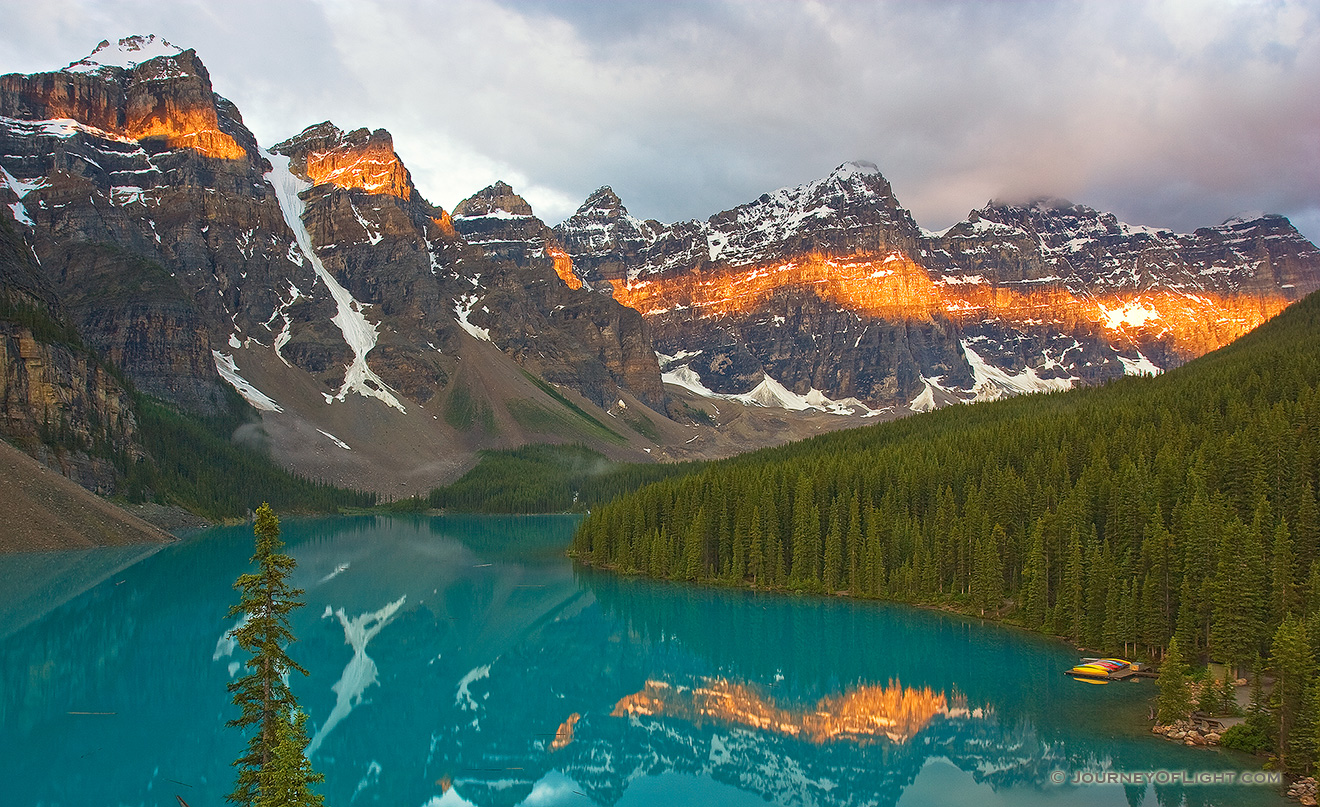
{"x": 1104, "y": 669}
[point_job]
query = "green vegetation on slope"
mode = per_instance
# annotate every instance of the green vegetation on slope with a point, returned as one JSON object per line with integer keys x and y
{"x": 194, "y": 463}
{"x": 547, "y": 479}
{"x": 1118, "y": 517}
{"x": 537, "y": 418}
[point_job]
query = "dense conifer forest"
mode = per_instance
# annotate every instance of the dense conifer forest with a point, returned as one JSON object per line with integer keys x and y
{"x": 195, "y": 463}
{"x": 545, "y": 478}
{"x": 1117, "y": 516}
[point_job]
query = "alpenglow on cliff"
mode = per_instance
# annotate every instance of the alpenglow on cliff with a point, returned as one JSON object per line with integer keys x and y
{"x": 384, "y": 340}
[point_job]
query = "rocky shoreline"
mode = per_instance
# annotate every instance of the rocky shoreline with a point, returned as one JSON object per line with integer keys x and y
{"x": 1304, "y": 791}
{"x": 1188, "y": 733}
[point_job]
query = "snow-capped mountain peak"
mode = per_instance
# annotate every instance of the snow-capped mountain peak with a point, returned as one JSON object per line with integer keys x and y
{"x": 127, "y": 53}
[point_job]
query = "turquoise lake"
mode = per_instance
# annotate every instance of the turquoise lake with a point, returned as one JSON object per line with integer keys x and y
{"x": 466, "y": 661}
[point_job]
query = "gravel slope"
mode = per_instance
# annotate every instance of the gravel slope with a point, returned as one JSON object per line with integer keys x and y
{"x": 42, "y": 511}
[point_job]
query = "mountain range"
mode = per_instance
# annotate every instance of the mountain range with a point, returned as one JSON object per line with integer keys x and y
{"x": 148, "y": 243}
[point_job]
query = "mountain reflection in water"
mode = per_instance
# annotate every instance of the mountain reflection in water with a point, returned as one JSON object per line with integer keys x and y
{"x": 464, "y": 661}
{"x": 861, "y": 714}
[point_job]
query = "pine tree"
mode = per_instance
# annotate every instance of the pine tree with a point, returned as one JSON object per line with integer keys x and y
{"x": 1174, "y": 701}
{"x": 1294, "y": 666}
{"x": 756, "y": 550}
{"x": 274, "y": 769}
{"x": 284, "y": 782}
{"x": 804, "y": 565}
{"x": 988, "y": 573}
{"x": 1283, "y": 588}
{"x": 1072, "y": 606}
{"x": 1036, "y": 581}
{"x": 693, "y": 546}
{"x": 854, "y": 542}
{"x": 834, "y": 549}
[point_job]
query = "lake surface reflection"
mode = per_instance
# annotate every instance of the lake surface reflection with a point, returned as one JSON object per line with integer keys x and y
{"x": 463, "y": 660}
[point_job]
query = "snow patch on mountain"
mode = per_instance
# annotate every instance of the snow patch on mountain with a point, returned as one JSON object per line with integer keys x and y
{"x": 127, "y": 53}
{"x": 768, "y": 393}
{"x": 63, "y": 128}
{"x": 336, "y": 440}
{"x": 463, "y": 309}
{"x": 228, "y": 370}
{"x": 20, "y": 188}
{"x": 497, "y": 213}
{"x": 373, "y": 234}
{"x": 1138, "y": 366}
{"x": 684, "y": 376}
{"x": 993, "y": 383}
{"x": 359, "y": 332}
{"x": 283, "y": 337}
{"x": 925, "y": 400}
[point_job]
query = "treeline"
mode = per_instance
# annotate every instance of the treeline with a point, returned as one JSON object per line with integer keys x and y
{"x": 546, "y": 478}
{"x": 1117, "y": 516}
{"x": 193, "y": 462}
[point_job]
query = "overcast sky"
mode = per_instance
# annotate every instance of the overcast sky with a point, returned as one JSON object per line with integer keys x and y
{"x": 1177, "y": 114}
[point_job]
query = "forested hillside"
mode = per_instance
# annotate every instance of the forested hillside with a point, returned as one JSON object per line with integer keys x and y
{"x": 1115, "y": 516}
{"x": 544, "y": 478}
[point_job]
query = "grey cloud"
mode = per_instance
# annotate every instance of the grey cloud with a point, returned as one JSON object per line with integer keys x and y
{"x": 1171, "y": 113}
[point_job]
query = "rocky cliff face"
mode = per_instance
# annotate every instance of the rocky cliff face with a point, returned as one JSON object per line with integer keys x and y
{"x": 547, "y": 318}
{"x": 57, "y": 401}
{"x": 315, "y": 279}
{"x": 831, "y": 291}
{"x": 143, "y": 197}
{"x": 397, "y": 257}
{"x": 189, "y": 257}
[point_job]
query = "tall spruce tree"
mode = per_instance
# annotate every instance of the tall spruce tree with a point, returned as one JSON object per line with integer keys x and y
{"x": 1174, "y": 701}
{"x": 274, "y": 769}
{"x": 1294, "y": 666}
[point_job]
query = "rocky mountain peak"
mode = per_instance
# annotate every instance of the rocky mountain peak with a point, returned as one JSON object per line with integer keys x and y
{"x": 494, "y": 200}
{"x": 125, "y": 54}
{"x": 362, "y": 159}
{"x": 860, "y": 172}
{"x": 142, "y": 88}
{"x": 851, "y": 210}
{"x": 603, "y": 200}
{"x": 603, "y": 237}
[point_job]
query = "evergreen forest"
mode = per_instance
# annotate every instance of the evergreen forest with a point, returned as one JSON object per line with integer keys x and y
{"x": 544, "y": 478}
{"x": 1118, "y": 516}
{"x": 194, "y": 462}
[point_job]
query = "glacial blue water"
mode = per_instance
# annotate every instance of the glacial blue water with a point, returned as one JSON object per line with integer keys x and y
{"x": 465, "y": 661}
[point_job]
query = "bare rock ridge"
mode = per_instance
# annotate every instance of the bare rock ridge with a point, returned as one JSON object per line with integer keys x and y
{"x": 830, "y": 289}
{"x": 57, "y": 401}
{"x": 313, "y": 278}
{"x": 141, "y": 194}
{"x": 384, "y": 341}
{"x": 549, "y": 320}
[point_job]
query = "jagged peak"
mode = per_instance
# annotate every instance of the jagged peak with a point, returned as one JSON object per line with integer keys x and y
{"x": 854, "y": 168}
{"x": 363, "y": 159}
{"x": 125, "y": 54}
{"x": 856, "y": 180}
{"x": 1253, "y": 217}
{"x": 325, "y": 130}
{"x": 1036, "y": 204}
{"x": 325, "y": 136}
{"x": 498, "y": 198}
{"x": 603, "y": 198}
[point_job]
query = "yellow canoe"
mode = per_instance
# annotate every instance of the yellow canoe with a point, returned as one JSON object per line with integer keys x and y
{"x": 1100, "y": 668}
